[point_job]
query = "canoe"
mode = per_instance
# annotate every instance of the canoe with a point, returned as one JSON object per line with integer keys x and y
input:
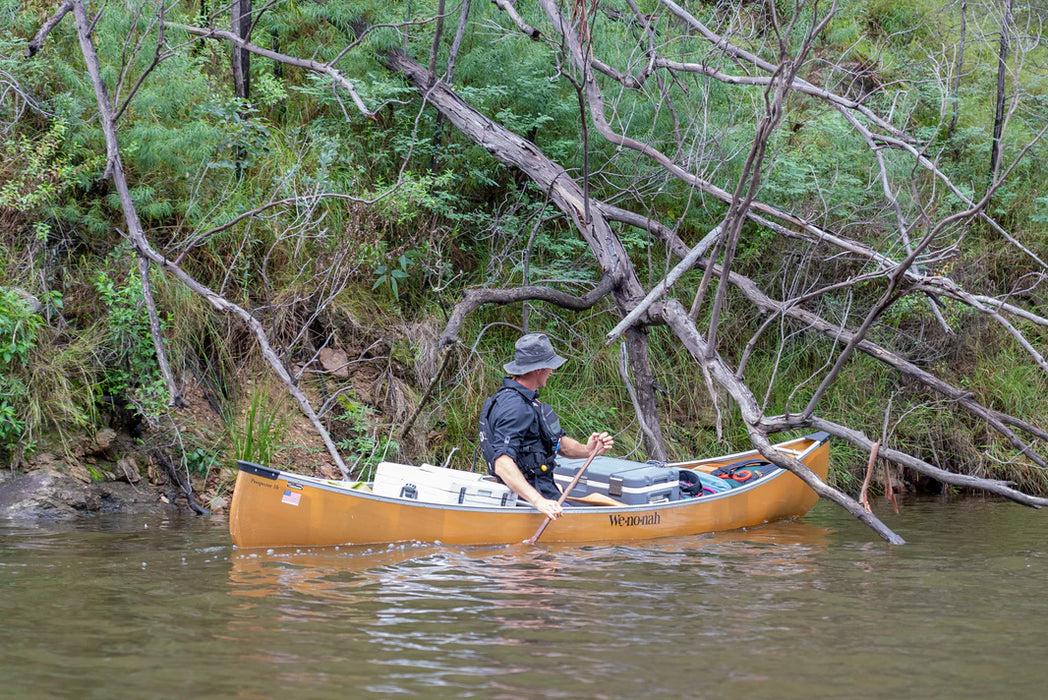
{"x": 274, "y": 508}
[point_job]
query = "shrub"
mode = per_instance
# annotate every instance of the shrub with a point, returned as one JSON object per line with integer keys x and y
{"x": 19, "y": 326}
{"x": 132, "y": 374}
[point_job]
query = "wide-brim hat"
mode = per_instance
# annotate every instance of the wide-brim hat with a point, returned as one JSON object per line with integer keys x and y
{"x": 533, "y": 351}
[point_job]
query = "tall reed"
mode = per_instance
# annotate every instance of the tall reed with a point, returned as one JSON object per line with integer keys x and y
{"x": 258, "y": 432}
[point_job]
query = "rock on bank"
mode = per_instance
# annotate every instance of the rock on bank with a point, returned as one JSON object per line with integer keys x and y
{"x": 51, "y": 494}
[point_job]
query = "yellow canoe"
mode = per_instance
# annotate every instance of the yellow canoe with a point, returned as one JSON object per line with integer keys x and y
{"x": 273, "y": 508}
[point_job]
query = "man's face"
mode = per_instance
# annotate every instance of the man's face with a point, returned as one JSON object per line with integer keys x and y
{"x": 544, "y": 375}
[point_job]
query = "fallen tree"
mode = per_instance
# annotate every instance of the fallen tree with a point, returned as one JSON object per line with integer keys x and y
{"x": 923, "y": 232}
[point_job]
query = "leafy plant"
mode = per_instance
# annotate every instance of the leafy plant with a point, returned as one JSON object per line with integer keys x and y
{"x": 200, "y": 461}
{"x": 19, "y": 326}
{"x": 362, "y": 442}
{"x": 42, "y": 170}
{"x": 11, "y": 426}
{"x": 392, "y": 275}
{"x": 133, "y": 373}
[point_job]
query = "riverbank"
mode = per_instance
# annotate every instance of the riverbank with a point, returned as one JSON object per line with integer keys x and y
{"x": 102, "y": 473}
{"x": 136, "y": 469}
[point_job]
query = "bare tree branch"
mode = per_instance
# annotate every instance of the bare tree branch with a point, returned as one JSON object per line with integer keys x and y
{"x": 684, "y": 327}
{"x": 144, "y": 248}
{"x": 337, "y": 76}
{"x": 475, "y": 298}
{"x": 1000, "y": 488}
{"x": 525, "y": 28}
{"x": 47, "y": 27}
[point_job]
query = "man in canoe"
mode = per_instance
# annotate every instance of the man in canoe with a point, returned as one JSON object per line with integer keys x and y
{"x": 521, "y": 436}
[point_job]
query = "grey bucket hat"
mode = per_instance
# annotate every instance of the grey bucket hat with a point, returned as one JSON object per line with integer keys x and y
{"x": 534, "y": 351}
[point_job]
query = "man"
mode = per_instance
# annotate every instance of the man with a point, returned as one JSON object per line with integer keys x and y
{"x": 521, "y": 436}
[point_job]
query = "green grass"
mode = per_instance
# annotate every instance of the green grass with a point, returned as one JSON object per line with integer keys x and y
{"x": 257, "y": 429}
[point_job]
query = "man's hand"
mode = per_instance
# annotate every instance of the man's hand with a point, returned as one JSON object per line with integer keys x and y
{"x": 551, "y": 509}
{"x": 602, "y": 440}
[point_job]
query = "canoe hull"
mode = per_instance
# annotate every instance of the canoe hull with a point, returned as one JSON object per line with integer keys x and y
{"x": 271, "y": 508}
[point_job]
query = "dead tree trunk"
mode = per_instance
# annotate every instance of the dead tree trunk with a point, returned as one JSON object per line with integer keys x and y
{"x": 514, "y": 150}
{"x": 955, "y": 90}
{"x": 241, "y": 20}
{"x": 449, "y": 74}
{"x": 174, "y": 395}
{"x": 1002, "y": 76}
{"x": 241, "y": 15}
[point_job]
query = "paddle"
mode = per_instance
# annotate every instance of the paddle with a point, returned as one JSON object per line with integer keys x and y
{"x": 596, "y": 499}
{"x": 578, "y": 475}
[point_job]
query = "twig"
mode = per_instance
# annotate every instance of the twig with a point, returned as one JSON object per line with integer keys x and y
{"x": 425, "y": 397}
{"x": 624, "y": 373}
{"x": 889, "y": 488}
{"x": 864, "y": 500}
{"x": 315, "y": 66}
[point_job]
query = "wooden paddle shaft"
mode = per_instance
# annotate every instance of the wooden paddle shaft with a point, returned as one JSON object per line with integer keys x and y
{"x": 563, "y": 496}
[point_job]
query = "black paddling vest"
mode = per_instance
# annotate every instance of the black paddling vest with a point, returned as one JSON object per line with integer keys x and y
{"x": 539, "y": 444}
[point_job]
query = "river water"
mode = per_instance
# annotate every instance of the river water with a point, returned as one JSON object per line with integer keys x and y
{"x": 814, "y": 608}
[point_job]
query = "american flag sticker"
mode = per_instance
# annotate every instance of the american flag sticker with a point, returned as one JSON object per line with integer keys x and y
{"x": 291, "y": 498}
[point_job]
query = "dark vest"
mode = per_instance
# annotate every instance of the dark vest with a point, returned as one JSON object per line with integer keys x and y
{"x": 532, "y": 456}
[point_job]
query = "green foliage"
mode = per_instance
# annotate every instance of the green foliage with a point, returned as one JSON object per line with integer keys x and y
{"x": 18, "y": 336}
{"x": 40, "y": 171}
{"x": 1041, "y": 215}
{"x": 361, "y": 442}
{"x": 238, "y": 136}
{"x": 588, "y": 398}
{"x": 258, "y": 432}
{"x": 132, "y": 373}
{"x": 908, "y": 19}
{"x": 201, "y": 461}
{"x": 392, "y": 275}
{"x": 11, "y": 426}
{"x": 268, "y": 90}
{"x": 19, "y": 327}
{"x": 558, "y": 254}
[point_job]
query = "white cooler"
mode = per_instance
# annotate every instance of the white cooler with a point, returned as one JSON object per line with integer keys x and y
{"x": 439, "y": 485}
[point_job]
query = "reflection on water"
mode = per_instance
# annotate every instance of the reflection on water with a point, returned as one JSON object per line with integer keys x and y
{"x": 815, "y": 608}
{"x": 332, "y": 572}
{"x": 515, "y": 620}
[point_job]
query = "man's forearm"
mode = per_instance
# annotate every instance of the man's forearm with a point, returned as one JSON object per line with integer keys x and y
{"x": 507, "y": 470}
{"x": 572, "y": 448}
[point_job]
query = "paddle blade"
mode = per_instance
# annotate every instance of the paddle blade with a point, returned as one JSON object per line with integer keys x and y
{"x": 534, "y": 538}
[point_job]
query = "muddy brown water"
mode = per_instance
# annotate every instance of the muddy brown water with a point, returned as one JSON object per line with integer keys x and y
{"x": 816, "y": 608}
